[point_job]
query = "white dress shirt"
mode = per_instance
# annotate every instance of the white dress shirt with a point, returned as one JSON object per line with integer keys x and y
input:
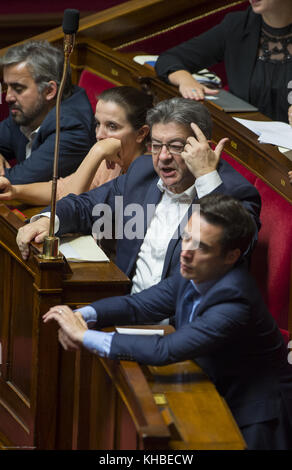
{"x": 30, "y": 136}
{"x": 168, "y": 215}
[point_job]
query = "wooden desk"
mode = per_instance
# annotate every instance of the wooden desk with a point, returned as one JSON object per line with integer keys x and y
{"x": 165, "y": 407}
{"x": 53, "y": 399}
{"x": 32, "y": 362}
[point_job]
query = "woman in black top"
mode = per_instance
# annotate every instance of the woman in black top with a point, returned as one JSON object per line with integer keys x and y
{"x": 256, "y": 47}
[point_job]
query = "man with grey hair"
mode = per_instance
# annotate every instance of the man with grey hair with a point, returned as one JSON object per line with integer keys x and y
{"x": 159, "y": 191}
{"x": 32, "y": 73}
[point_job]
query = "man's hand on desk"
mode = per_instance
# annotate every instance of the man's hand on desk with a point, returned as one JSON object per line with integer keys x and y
{"x": 198, "y": 155}
{"x": 72, "y": 326}
{"x": 290, "y": 176}
{"x": 36, "y": 231}
{"x": 7, "y": 190}
{"x": 3, "y": 164}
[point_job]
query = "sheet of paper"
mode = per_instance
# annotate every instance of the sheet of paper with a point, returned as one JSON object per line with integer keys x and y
{"x": 139, "y": 331}
{"x": 270, "y": 132}
{"x": 286, "y": 152}
{"x": 146, "y": 59}
{"x": 82, "y": 248}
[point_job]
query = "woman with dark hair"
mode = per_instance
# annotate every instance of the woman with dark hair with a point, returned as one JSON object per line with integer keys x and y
{"x": 121, "y": 134}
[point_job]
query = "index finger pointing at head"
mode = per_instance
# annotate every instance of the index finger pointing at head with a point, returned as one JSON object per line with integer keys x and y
{"x": 198, "y": 133}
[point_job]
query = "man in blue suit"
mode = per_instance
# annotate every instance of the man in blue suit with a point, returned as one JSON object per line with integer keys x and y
{"x": 32, "y": 73}
{"x": 221, "y": 322}
{"x": 161, "y": 190}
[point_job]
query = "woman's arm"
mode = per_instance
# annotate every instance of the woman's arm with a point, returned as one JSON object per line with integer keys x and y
{"x": 77, "y": 183}
{"x": 188, "y": 86}
{"x": 33, "y": 193}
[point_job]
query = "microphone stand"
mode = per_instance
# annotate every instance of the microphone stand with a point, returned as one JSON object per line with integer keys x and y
{"x": 51, "y": 242}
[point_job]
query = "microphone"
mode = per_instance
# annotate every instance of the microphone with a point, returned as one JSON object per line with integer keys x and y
{"x": 70, "y": 28}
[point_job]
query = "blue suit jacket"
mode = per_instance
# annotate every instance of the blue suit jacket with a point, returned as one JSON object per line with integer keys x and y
{"x": 232, "y": 337}
{"x": 77, "y": 135}
{"x": 139, "y": 186}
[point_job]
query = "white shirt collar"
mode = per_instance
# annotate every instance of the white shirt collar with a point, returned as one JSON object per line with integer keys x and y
{"x": 29, "y": 135}
{"x": 188, "y": 195}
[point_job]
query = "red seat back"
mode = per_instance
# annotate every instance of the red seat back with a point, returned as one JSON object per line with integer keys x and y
{"x": 93, "y": 85}
{"x": 271, "y": 259}
{"x": 4, "y": 109}
{"x": 251, "y": 177}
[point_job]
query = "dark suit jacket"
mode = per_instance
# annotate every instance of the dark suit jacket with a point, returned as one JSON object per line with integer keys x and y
{"x": 235, "y": 41}
{"x": 232, "y": 337}
{"x": 139, "y": 186}
{"x": 76, "y": 138}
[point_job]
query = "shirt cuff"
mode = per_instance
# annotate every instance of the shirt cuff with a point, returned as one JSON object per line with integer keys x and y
{"x": 98, "y": 342}
{"x": 46, "y": 214}
{"x": 88, "y": 313}
{"x": 207, "y": 183}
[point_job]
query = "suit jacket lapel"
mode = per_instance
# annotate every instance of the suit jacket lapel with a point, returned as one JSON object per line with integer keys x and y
{"x": 175, "y": 241}
{"x": 247, "y": 53}
{"x": 153, "y": 196}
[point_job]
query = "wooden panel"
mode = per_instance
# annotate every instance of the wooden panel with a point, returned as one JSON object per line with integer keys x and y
{"x": 32, "y": 361}
{"x": 128, "y": 20}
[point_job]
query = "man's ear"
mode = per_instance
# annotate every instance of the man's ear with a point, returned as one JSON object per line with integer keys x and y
{"x": 50, "y": 92}
{"x": 142, "y": 133}
{"x": 232, "y": 256}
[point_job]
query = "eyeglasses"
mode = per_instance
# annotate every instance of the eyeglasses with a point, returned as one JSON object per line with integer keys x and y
{"x": 174, "y": 149}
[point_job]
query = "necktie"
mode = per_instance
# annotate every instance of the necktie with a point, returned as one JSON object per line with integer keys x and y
{"x": 191, "y": 299}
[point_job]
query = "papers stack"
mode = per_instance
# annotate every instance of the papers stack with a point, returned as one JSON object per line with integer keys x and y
{"x": 82, "y": 248}
{"x": 270, "y": 132}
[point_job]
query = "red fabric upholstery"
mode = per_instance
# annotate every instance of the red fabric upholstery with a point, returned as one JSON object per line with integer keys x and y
{"x": 94, "y": 85}
{"x": 4, "y": 110}
{"x": 271, "y": 260}
{"x": 251, "y": 177}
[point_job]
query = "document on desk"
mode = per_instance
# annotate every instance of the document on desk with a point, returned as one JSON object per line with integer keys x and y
{"x": 230, "y": 103}
{"x": 139, "y": 331}
{"x": 270, "y": 132}
{"x": 82, "y": 248}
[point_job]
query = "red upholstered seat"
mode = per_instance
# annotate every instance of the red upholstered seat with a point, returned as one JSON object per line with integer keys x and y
{"x": 251, "y": 177}
{"x": 94, "y": 85}
{"x": 271, "y": 260}
{"x": 4, "y": 110}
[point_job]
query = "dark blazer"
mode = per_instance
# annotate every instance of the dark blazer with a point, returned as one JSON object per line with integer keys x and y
{"x": 139, "y": 186}
{"x": 235, "y": 41}
{"x": 76, "y": 138}
{"x": 232, "y": 337}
